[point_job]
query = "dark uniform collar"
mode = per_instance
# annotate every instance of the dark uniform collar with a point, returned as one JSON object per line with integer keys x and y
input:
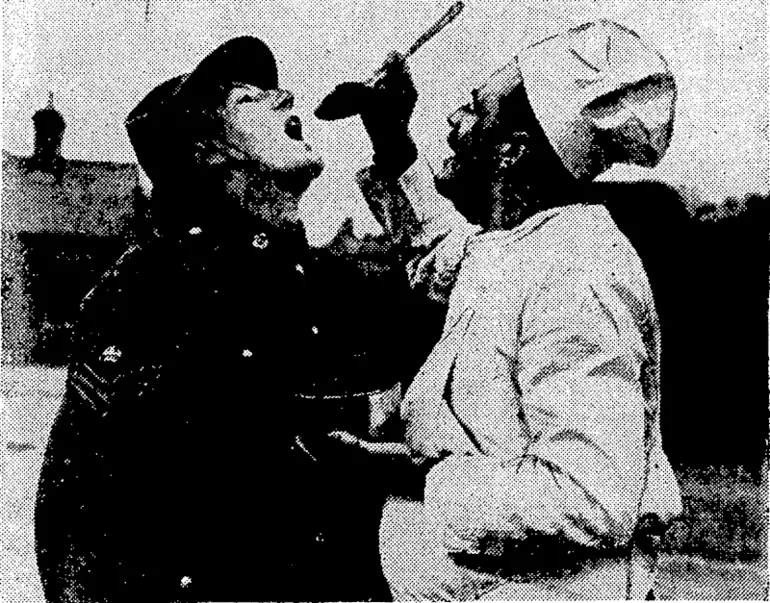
{"x": 207, "y": 223}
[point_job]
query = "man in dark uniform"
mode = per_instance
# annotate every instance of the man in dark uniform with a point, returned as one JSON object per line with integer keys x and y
{"x": 182, "y": 463}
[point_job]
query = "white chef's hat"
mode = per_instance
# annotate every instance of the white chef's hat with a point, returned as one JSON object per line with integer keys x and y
{"x": 602, "y": 97}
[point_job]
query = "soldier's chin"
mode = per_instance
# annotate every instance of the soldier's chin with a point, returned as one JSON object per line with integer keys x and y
{"x": 290, "y": 223}
{"x": 296, "y": 176}
{"x": 306, "y": 161}
{"x": 291, "y": 215}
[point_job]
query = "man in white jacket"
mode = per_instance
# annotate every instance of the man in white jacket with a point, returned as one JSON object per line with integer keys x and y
{"x": 538, "y": 410}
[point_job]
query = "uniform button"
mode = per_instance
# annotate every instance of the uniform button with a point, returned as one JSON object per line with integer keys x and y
{"x": 247, "y": 353}
{"x": 186, "y": 581}
{"x": 195, "y": 230}
{"x": 111, "y": 354}
{"x": 260, "y": 241}
{"x": 315, "y": 330}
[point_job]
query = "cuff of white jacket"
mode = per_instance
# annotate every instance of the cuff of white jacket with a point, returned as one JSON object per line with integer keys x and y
{"x": 436, "y": 214}
{"x": 478, "y": 502}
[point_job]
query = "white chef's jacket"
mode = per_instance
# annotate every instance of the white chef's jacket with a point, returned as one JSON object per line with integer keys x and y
{"x": 542, "y": 396}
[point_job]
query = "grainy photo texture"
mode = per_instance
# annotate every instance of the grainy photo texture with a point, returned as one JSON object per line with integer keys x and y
{"x": 384, "y": 301}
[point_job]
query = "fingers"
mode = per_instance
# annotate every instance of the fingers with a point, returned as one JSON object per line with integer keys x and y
{"x": 394, "y": 58}
{"x": 352, "y": 98}
{"x": 394, "y": 68}
{"x": 375, "y": 448}
{"x": 393, "y": 62}
{"x": 346, "y": 438}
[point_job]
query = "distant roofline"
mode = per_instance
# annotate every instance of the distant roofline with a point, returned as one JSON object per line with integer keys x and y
{"x": 80, "y": 162}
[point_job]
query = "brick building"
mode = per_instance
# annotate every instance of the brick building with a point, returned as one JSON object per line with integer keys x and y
{"x": 63, "y": 223}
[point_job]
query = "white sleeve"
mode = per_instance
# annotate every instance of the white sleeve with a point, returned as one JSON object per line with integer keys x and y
{"x": 431, "y": 230}
{"x": 582, "y": 474}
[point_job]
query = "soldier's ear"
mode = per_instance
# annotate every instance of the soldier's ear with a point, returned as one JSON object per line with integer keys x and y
{"x": 215, "y": 152}
{"x": 207, "y": 153}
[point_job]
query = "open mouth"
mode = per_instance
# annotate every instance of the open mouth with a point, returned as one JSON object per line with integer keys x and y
{"x": 293, "y": 128}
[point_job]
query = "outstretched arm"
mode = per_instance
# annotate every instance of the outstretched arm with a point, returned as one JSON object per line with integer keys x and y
{"x": 428, "y": 233}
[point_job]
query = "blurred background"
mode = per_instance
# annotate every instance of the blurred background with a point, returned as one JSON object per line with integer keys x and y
{"x": 73, "y": 199}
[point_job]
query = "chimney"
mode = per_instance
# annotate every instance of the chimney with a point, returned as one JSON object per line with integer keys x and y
{"x": 49, "y": 129}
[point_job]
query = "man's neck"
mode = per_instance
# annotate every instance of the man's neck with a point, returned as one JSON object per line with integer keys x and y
{"x": 510, "y": 210}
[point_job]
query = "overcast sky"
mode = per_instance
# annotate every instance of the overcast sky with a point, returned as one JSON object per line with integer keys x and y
{"x": 100, "y": 57}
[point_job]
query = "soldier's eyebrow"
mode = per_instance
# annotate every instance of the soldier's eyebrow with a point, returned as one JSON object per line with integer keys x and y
{"x": 246, "y": 92}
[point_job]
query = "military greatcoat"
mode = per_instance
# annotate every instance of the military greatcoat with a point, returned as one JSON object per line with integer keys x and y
{"x": 178, "y": 464}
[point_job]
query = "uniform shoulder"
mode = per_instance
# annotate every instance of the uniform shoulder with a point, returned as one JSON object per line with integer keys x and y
{"x": 117, "y": 281}
{"x": 593, "y": 251}
{"x": 573, "y": 239}
{"x": 561, "y": 234}
{"x": 586, "y": 238}
{"x": 110, "y": 312}
{"x": 114, "y": 337}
